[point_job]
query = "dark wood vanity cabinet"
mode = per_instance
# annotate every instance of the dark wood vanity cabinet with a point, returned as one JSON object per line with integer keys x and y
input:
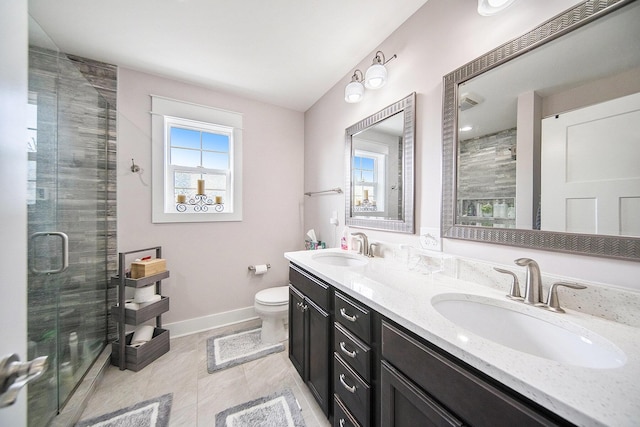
{"x": 353, "y": 378}
{"x": 421, "y": 382}
{"x": 365, "y": 370}
{"x": 403, "y": 404}
{"x": 310, "y": 333}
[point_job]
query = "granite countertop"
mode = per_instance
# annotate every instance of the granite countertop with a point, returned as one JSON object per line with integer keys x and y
{"x": 584, "y": 396}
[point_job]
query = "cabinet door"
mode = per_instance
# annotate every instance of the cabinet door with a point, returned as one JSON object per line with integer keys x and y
{"x": 404, "y": 404}
{"x": 319, "y": 367}
{"x": 297, "y": 326}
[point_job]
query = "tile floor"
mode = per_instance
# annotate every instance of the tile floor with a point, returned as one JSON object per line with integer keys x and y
{"x": 197, "y": 395}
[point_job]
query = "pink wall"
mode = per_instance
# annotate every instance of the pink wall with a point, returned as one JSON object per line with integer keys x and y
{"x": 442, "y": 36}
{"x": 208, "y": 261}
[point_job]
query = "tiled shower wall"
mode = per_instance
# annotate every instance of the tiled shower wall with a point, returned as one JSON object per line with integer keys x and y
{"x": 486, "y": 166}
{"x": 76, "y": 191}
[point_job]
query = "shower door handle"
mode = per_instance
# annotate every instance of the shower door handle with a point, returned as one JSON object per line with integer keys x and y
{"x": 64, "y": 240}
{"x": 15, "y": 374}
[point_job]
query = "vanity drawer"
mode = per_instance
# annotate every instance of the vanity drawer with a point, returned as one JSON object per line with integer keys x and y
{"x": 355, "y": 318}
{"x": 473, "y": 399}
{"x": 352, "y": 391}
{"x": 314, "y": 289}
{"x": 352, "y": 351}
{"x": 341, "y": 416}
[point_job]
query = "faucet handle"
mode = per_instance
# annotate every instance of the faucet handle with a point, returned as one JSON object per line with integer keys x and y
{"x": 552, "y": 300}
{"x": 514, "y": 292}
{"x": 371, "y": 246}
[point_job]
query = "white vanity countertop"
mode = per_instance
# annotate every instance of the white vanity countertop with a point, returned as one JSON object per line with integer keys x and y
{"x": 584, "y": 396}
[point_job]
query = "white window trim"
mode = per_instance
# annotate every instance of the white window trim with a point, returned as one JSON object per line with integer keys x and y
{"x": 162, "y": 107}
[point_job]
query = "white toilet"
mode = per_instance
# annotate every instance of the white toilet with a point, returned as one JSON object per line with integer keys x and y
{"x": 272, "y": 306}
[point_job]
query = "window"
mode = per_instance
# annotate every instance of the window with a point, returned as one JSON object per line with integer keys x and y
{"x": 197, "y": 173}
{"x": 32, "y": 149}
{"x": 198, "y": 151}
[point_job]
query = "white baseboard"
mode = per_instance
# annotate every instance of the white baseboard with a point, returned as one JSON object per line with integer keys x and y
{"x": 199, "y": 324}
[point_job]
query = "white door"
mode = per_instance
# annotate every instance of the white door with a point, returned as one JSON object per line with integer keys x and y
{"x": 591, "y": 169}
{"x": 13, "y": 178}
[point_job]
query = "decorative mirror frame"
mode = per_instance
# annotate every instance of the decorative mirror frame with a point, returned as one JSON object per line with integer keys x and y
{"x": 405, "y": 225}
{"x": 627, "y": 248}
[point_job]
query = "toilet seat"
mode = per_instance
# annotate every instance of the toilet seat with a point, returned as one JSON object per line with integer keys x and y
{"x": 273, "y": 296}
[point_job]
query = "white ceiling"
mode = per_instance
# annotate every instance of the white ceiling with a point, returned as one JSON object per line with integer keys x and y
{"x": 284, "y": 52}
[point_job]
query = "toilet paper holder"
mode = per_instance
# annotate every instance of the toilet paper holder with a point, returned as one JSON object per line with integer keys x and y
{"x": 253, "y": 267}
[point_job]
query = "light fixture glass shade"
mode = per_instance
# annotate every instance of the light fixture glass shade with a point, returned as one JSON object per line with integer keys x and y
{"x": 376, "y": 76}
{"x": 491, "y": 7}
{"x": 353, "y": 92}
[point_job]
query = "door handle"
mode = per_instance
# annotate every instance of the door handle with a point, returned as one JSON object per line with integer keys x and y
{"x": 15, "y": 374}
{"x": 64, "y": 255}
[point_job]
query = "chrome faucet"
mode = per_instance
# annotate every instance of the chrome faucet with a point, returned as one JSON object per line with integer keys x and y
{"x": 533, "y": 286}
{"x": 364, "y": 243}
{"x": 533, "y": 281}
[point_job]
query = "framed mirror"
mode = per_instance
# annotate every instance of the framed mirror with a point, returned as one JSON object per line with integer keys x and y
{"x": 540, "y": 140}
{"x": 379, "y": 160}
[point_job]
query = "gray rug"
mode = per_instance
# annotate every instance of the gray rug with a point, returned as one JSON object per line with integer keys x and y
{"x": 276, "y": 410}
{"x": 150, "y": 413}
{"x": 225, "y": 351}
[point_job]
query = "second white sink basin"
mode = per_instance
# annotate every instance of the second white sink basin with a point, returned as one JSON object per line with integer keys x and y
{"x": 342, "y": 259}
{"x": 524, "y": 330}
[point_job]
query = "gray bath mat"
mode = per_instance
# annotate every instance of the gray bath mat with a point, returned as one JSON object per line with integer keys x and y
{"x": 225, "y": 351}
{"x": 276, "y": 410}
{"x": 150, "y": 413}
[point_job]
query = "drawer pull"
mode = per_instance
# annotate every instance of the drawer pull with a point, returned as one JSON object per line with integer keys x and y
{"x": 350, "y": 388}
{"x": 351, "y": 354}
{"x": 350, "y": 318}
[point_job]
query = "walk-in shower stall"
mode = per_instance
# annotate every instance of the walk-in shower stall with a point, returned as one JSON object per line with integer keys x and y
{"x": 71, "y": 218}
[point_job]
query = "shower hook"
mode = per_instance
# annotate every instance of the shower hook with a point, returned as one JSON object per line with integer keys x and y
{"x": 134, "y": 168}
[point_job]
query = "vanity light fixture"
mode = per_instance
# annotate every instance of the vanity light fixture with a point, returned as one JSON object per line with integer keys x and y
{"x": 375, "y": 78}
{"x": 376, "y": 75}
{"x": 491, "y": 7}
{"x": 354, "y": 90}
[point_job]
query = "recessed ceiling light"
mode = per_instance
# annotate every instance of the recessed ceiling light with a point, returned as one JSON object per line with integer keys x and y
{"x": 491, "y": 7}
{"x": 466, "y": 128}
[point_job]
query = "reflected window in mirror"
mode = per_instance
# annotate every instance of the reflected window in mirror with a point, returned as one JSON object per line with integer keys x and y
{"x": 368, "y": 181}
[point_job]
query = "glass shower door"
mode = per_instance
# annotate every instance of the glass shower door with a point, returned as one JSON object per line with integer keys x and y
{"x": 67, "y": 226}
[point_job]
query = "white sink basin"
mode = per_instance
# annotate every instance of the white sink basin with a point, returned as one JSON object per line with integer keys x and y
{"x": 342, "y": 259}
{"x": 530, "y": 330}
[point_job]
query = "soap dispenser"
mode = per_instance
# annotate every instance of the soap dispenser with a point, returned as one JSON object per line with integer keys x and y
{"x": 343, "y": 240}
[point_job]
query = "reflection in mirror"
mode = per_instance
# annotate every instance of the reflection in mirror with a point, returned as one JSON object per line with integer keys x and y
{"x": 379, "y": 160}
{"x": 541, "y": 136}
{"x": 376, "y": 169}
